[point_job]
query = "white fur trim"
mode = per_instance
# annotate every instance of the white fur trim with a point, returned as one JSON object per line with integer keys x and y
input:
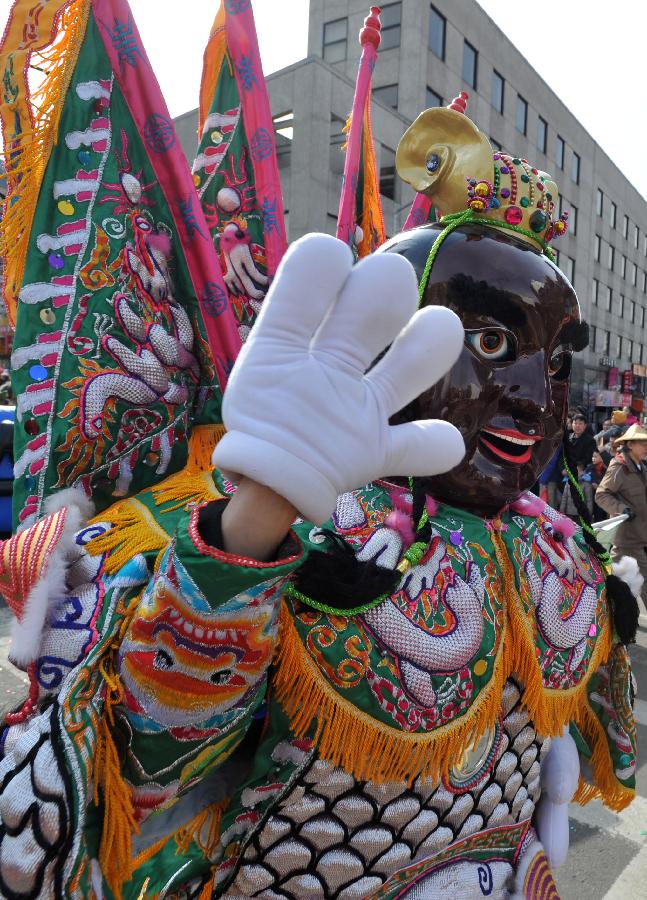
{"x": 27, "y": 632}
{"x": 73, "y": 498}
{"x": 627, "y": 569}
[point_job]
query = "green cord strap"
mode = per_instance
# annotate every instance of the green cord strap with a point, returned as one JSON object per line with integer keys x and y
{"x": 294, "y": 594}
{"x": 467, "y": 217}
{"x": 605, "y": 556}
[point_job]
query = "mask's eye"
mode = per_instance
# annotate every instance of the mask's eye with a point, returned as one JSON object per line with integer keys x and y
{"x": 559, "y": 364}
{"x": 493, "y": 344}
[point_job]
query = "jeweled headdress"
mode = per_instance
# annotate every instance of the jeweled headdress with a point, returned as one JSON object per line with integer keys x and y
{"x": 444, "y": 156}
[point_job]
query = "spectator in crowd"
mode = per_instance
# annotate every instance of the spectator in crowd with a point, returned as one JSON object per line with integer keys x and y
{"x": 596, "y": 473}
{"x": 624, "y": 490}
{"x": 581, "y": 442}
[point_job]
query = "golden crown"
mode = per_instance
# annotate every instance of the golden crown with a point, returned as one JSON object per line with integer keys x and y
{"x": 444, "y": 156}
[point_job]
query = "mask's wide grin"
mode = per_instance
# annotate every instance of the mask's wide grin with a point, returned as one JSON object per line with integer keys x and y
{"x": 511, "y": 446}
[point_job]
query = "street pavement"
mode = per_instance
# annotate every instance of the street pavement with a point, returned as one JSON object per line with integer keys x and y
{"x": 608, "y": 855}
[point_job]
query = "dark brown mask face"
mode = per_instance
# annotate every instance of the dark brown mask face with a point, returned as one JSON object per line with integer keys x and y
{"x": 508, "y": 392}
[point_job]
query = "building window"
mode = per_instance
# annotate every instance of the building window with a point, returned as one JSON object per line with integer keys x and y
{"x": 641, "y": 316}
{"x": 634, "y": 274}
{"x": 609, "y": 304}
{"x": 388, "y": 95}
{"x": 560, "y": 146}
{"x": 597, "y": 243}
{"x": 498, "y": 85}
{"x": 617, "y": 346}
{"x": 620, "y": 305}
{"x": 623, "y": 266}
{"x": 470, "y": 60}
{"x": 592, "y": 337}
{"x": 599, "y": 202}
{"x": 433, "y": 99}
{"x": 575, "y": 167}
{"x": 629, "y": 349}
{"x": 613, "y": 210}
{"x": 496, "y": 144}
{"x": 644, "y": 282}
{"x": 644, "y": 244}
{"x": 572, "y": 220}
{"x": 595, "y": 289}
{"x": 631, "y": 310}
{"x": 625, "y": 227}
{"x": 569, "y": 268}
{"x": 542, "y": 134}
{"x": 437, "y": 26}
{"x": 391, "y": 19}
{"x": 556, "y": 259}
{"x": 612, "y": 257}
{"x": 636, "y": 236}
{"x": 606, "y": 337}
{"x": 521, "y": 116}
{"x": 387, "y": 173}
{"x": 335, "y": 39}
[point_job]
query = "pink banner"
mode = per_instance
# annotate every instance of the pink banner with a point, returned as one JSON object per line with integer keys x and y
{"x": 142, "y": 94}
{"x": 257, "y": 116}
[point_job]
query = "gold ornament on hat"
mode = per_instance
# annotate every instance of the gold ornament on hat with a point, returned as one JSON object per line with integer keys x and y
{"x": 446, "y": 157}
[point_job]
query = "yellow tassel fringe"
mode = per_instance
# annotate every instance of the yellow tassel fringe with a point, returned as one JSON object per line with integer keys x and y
{"x": 193, "y": 484}
{"x": 357, "y": 742}
{"x": 549, "y": 710}
{"x": 370, "y": 749}
{"x": 606, "y": 788}
{"x": 134, "y": 531}
{"x": 60, "y": 28}
{"x": 118, "y": 820}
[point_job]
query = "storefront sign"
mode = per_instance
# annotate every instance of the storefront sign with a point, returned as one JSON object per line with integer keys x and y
{"x": 607, "y": 398}
{"x": 613, "y": 378}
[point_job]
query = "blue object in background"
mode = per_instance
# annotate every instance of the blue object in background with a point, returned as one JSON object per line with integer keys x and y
{"x": 7, "y": 418}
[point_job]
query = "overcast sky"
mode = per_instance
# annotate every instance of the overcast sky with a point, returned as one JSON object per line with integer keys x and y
{"x": 591, "y": 53}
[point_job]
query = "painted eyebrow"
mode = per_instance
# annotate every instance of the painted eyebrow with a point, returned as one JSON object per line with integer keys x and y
{"x": 576, "y": 334}
{"x": 482, "y": 298}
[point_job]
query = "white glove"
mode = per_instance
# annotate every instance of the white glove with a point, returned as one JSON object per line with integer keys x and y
{"x": 303, "y": 416}
{"x": 560, "y": 772}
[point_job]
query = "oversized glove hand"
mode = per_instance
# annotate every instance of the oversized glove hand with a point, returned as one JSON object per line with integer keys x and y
{"x": 303, "y": 414}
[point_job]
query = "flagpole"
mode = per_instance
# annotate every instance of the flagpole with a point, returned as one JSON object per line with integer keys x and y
{"x": 369, "y": 38}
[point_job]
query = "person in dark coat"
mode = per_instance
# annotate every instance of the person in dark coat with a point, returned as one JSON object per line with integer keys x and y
{"x": 581, "y": 442}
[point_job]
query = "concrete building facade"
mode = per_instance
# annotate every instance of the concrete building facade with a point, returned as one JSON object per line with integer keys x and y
{"x": 430, "y": 52}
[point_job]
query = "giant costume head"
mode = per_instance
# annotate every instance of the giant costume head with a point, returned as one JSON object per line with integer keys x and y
{"x": 488, "y": 259}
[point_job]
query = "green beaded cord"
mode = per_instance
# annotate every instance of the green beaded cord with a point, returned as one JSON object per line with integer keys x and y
{"x": 467, "y": 217}
{"x": 294, "y": 594}
{"x": 604, "y": 556}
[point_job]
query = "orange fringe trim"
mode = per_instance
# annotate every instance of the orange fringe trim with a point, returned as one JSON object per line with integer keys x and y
{"x": 372, "y": 218}
{"x": 118, "y": 821}
{"x": 607, "y": 788}
{"x": 357, "y": 742}
{"x": 58, "y": 30}
{"x": 213, "y": 58}
{"x": 549, "y": 710}
{"x": 370, "y": 749}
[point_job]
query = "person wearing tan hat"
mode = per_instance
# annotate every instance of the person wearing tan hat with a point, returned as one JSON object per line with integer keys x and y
{"x": 624, "y": 490}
